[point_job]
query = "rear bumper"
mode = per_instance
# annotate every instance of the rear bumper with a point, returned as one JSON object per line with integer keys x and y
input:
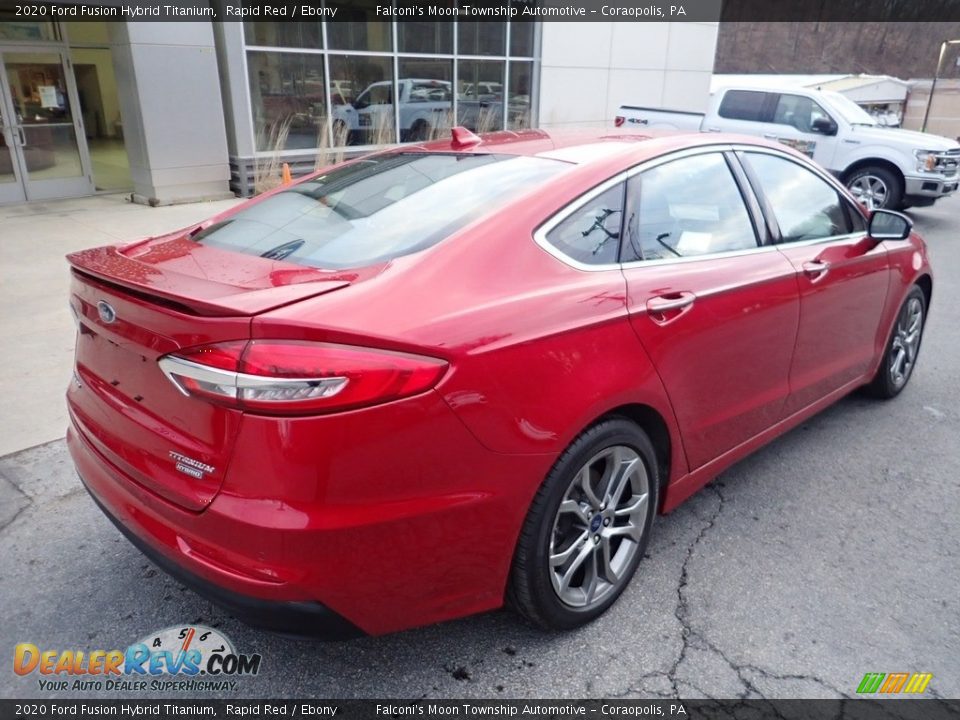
{"x": 292, "y": 618}
{"x": 931, "y": 186}
{"x": 327, "y": 528}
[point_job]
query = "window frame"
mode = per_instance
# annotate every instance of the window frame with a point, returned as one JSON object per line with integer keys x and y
{"x": 751, "y": 202}
{"x": 846, "y": 204}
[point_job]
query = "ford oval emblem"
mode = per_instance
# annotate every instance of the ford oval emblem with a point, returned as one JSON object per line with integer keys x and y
{"x": 106, "y": 311}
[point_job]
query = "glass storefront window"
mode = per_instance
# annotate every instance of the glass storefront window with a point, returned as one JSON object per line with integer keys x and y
{"x": 480, "y": 94}
{"x": 280, "y": 34}
{"x": 426, "y": 98}
{"x": 521, "y": 39}
{"x": 288, "y": 97}
{"x": 373, "y": 91}
{"x": 13, "y": 28}
{"x": 482, "y": 38}
{"x": 367, "y": 117}
{"x": 359, "y": 27}
{"x": 425, "y": 37}
{"x": 521, "y": 86}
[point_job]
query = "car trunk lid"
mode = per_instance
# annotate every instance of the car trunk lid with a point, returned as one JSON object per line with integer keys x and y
{"x": 205, "y": 280}
{"x": 134, "y": 305}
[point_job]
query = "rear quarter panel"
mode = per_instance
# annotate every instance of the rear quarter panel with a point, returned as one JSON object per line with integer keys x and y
{"x": 538, "y": 349}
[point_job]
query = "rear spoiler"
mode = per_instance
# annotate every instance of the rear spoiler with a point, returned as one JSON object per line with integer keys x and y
{"x": 188, "y": 280}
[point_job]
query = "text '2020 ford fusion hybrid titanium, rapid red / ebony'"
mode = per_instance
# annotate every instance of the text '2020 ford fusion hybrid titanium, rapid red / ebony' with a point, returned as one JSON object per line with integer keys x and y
{"x": 427, "y": 381}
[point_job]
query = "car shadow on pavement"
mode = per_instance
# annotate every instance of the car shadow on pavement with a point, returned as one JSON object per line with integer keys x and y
{"x": 765, "y": 583}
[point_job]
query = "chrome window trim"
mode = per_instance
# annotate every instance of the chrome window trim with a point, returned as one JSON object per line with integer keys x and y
{"x": 540, "y": 234}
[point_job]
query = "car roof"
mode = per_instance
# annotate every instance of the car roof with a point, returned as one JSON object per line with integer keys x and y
{"x": 605, "y": 149}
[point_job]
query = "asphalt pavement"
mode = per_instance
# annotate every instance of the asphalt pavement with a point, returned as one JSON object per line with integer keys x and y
{"x": 832, "y": 552}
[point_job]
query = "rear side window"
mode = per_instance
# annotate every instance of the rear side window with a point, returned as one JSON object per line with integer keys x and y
{"x": 591, "y": 234}
{"x": 379, "y": 208}
{"x": 806, "y": 206}
{"x": 684, "y": 208}
{"x": 745, "y": 105}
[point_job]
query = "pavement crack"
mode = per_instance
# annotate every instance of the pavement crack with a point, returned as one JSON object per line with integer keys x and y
{"x": 12, "y": 519}
{"x": 11, "y": 496}
{"x": 693, "y": 638}
{"x": 681, "y": 610}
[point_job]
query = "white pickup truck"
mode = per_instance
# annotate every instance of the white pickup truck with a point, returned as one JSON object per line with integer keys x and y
{"x": 883, "y": 167}
{"x": 423, "y": 105}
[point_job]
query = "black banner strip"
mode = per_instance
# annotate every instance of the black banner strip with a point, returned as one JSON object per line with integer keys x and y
{"x": 940, "y": 11}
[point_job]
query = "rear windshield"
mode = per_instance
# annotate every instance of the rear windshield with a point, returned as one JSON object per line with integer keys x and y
{"x": 379, "y": 208}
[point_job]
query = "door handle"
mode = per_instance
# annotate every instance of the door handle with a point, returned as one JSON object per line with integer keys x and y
{"x": 672, "y": 301}
{"x": 21, "y": 136}
{"x": 770, "y": 136}
{"x": 815, "y": 269}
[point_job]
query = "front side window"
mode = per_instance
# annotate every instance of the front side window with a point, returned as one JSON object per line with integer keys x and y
{"x": 591, "y": 234}
{"x": 378, "y": 208}
{"x": 806, "y": 206}
{"x": 798, "y": 112}
{"x": 685, "y": 208}
{"x": 376, "y": 95}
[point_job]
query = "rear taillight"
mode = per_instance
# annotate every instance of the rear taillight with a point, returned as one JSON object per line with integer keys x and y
{"x": 619, "y": 120}
{"x": 287, "y": 377}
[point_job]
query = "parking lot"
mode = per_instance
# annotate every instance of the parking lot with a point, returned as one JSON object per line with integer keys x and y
{"x": 833, "y": 552}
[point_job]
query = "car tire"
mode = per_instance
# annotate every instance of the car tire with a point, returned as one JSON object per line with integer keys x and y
{"x": 341, "y": 133}
{"x": 903, "y": 347}
{"x": 582, "y": 531}
{"x": 876, "y": 187}
{"x": 420, "y": 132}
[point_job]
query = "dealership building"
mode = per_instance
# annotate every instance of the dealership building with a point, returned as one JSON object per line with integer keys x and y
{"x": 181, "y": 111}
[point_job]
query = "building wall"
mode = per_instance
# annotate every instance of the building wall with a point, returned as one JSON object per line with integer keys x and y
{"x": 944, "y": 112}
{"x": 173, "y": 119}
{"x": 589, "y": 69}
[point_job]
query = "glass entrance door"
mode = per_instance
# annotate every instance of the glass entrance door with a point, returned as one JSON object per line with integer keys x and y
{"x": 43, "y": 132}
{"x": 11, "y": 186}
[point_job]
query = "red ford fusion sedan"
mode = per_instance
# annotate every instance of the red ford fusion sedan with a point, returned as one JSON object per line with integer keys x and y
{"x": 432, "y": 380}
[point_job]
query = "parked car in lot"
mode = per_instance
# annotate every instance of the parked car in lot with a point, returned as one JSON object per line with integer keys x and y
{"x": 435, "y": 379}
{"x": 883, "y": 167}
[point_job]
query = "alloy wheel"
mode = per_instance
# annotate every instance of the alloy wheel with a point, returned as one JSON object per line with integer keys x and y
{"x": 906, "y": 341}
{"x": 870, "y": 190}
{"x": 598, "y": 527}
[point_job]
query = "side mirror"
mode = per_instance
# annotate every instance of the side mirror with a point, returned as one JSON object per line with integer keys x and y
{"x": 889, "y": 225}
{"x": 825, "y": 126}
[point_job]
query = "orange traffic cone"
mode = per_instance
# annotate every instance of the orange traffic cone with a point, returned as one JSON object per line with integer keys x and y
{"x": 287, "y": 177}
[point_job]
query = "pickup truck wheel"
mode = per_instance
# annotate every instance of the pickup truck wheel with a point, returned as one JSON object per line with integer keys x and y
{"x": 341, "y": 133}
{"x": 876, "y": 187}
{"x": 420, "y": 131}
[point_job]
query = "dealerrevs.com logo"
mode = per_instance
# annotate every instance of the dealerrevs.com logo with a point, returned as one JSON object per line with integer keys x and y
{"x": 182, "y": 658}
